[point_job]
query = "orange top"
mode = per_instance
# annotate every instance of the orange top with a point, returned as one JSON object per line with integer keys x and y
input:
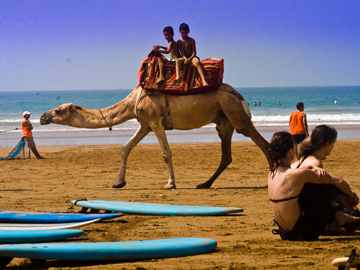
{"x": 297, "y": 123}
{"x": 27, "y": 133}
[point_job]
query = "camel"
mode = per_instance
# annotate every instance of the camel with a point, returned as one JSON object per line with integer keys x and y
{"x": 157, "y": 111}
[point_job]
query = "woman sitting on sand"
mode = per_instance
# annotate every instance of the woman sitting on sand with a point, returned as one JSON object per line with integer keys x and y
{"x": 315, "y": 149}
{"x": 300, "y": 198}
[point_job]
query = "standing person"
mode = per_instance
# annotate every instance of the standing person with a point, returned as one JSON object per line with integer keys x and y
{"x": 187, "y": 48}
{"x": 298, "y": 124}
{"x": 171, "y": 49}
{"x": 27, "y": 128}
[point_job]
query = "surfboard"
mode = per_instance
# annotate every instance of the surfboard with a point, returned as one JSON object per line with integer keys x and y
{"x": 31, "y": 236}
{"x": 44, "y": 226}
{"x": 120, "y": 251}
{"x": 39, "y": 217}
{"x": 157, "y": 209}
{"x": 341, "y": 262}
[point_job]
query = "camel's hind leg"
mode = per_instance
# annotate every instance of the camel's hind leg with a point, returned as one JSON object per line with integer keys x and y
{"x": 125, "y": 151}
{"x": 225, "y": 131}
{"x": 235, "y": 112}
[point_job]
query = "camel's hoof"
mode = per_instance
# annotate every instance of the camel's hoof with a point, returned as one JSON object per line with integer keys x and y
{"x": 204, "y": 185}
{"x": 119, "y": 184}
{"x": 169, "y": 186}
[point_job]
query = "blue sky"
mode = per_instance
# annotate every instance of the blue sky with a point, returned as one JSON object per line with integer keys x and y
{"x": 98, "y": 44}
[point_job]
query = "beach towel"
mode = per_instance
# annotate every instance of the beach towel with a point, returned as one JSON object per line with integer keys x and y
{"x": 191, "y": 84}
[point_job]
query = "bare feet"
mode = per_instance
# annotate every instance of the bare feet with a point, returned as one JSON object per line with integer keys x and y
{"x": 40, "y": 157}
{"x": 334, "y": 229}
{"x": 160, "y": 80}
{"x": 178, "y": 80}
{"x": 204, "y": 83}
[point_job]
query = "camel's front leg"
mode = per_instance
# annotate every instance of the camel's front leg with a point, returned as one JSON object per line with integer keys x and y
{"x": 225, "y": 131}
{"x": 125, "y": 151}
{"x": 159, "y": 131}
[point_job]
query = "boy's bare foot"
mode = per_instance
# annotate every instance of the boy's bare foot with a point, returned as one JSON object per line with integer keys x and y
{"x": 160, "y": 80}
{"x": 204, "y": 83}
{"x": 178, "y": 80}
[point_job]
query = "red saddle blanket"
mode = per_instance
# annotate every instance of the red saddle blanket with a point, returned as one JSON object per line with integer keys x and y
{"x": 191, "y": 84}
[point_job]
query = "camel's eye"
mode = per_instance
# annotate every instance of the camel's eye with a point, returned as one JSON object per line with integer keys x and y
{"x": 57, "y": 111}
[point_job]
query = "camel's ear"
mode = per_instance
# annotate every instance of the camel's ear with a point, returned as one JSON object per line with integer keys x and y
{"x": 74, "y": 107}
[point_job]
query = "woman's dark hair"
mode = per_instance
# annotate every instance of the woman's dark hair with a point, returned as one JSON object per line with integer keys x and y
{"x": 320, "y": 136}
{"x": 280, "y": 144}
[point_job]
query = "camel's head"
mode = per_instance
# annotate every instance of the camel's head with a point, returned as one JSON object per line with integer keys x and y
{"x": 61, "y": 115}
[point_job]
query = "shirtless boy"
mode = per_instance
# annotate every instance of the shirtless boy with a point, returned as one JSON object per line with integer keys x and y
{"x": 172, "y": 49}
{"x": 188, "y": 51}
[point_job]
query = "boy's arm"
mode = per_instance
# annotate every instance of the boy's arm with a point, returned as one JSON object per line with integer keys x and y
{"x": 193, "y": 48}
{"x": 165, "y": 49}
{"x": 181, "y": 49}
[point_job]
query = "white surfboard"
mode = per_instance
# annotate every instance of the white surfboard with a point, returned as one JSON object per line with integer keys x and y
{"x": 50, "y": 226}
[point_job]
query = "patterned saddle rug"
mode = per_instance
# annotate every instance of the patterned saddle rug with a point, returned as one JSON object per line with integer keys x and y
{"x": 191, "y": 84}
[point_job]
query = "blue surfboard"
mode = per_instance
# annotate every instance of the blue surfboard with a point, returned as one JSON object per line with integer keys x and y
{"x": 38, "y": 217}
{"x": 32, "y": 236}
{"x": 157, "y": 209}
{"x": 119, "y": 251}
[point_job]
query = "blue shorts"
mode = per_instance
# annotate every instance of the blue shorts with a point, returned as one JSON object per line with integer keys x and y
{"x": 298, "y": 138}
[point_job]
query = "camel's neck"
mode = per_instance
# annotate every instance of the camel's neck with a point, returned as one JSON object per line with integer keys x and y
{"x": 107, "y": 117}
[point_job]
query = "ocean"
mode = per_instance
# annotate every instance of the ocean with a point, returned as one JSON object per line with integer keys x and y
{"x": 319, "y": 106}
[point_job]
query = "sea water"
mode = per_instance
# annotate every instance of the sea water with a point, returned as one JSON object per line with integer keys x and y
{"x": 320, "y": 107}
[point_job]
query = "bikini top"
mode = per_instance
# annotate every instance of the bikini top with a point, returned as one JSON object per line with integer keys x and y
{"x": 284, "y": 200}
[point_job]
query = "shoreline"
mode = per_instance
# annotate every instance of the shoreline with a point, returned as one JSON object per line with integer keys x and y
{"x": 120, "y": 137}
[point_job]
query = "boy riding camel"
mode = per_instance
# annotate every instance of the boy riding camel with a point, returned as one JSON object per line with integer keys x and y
{"x": 188, "y": 51}
{"x": 172, "y": 49}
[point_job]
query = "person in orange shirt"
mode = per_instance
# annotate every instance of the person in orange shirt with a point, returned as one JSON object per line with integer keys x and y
{"x": 298, "y": 124}
{"x": 27, "y": 128}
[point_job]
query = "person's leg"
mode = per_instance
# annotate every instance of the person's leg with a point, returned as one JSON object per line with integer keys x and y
{"x": 179, "y": 64}
{"x": 196, "y": 62}
{"x": 161, "y": 60}
{"x": 36, "y": 153}
{"x": 31, "y": 144}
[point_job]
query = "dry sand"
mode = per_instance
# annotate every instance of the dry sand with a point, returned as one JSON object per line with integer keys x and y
{"x": 244, "y": 240}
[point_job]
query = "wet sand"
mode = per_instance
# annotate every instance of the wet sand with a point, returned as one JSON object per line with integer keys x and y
{"x": 244, "y": 240}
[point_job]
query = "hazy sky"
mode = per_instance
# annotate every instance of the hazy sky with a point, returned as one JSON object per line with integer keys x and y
{"x": 98, "y": 44}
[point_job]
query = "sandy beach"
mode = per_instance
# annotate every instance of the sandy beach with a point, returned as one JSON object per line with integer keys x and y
{"x": 244, "y": 240}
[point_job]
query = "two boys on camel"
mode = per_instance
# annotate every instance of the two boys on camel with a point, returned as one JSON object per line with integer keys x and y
{"x": 187, "y": 47}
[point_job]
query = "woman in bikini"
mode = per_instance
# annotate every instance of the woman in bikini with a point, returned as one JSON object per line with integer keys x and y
{"x": 315, "y": 149}
{"x": 300, "y": 198}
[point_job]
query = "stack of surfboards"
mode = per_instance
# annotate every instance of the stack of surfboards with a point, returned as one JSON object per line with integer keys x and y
{"x": 30, "y": 227}
{"x": 41, "y": 225}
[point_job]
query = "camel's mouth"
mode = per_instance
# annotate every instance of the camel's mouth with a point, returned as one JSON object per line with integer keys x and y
{"x": 46, "y": 118}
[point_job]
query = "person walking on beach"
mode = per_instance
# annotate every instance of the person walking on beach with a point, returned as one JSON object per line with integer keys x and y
{"x": 27, "y": 128}
{"x": 298, "y": 124}
{"x": 188, "y": 51}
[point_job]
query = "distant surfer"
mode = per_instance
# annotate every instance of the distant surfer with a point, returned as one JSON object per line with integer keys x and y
{"x": 335, "y": 101}
{"x": 27, "y": 128}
